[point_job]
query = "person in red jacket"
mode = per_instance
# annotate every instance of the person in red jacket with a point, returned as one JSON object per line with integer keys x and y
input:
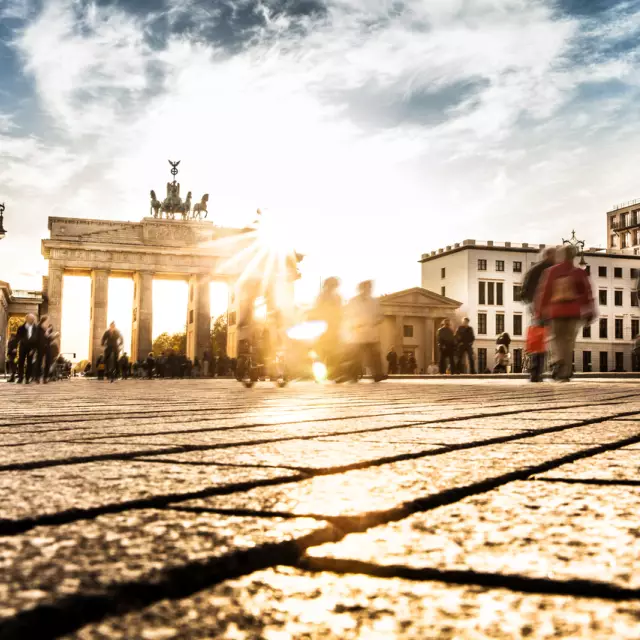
{"x": 565, "y": 300}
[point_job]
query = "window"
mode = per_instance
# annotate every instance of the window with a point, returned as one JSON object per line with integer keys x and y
{"x": 586, "y": 331}
{"x": 604, "y": 361}
{"x": 499, "y": 323}
{"x": 482, "y": 324}
{"x": 443, "y": 272}
{"x": 517, "y": 360}
{"x": 517, "y": 293}
{"x": 602, "y": 297}
{"x": 635, "y": 328}
{"x": 482, "y": 265}
{"x": 603, "y": 328}
{"x": 517, "y": 325}
{"x": 490, "y": 291}
{"x": 633, "y": 273}
{"x": 499, "y": 293}
{"x": 482, "y": 360}
{"x": 617, "y": 298}
{"x": 407, "y": 331}
{"x": 634, "y": 298}
{"x": 619, "y": 361}
{"x": 618, "y": 329}
{"x": 517, "y": 267}
{"x": 443, "y": 291}
{"x": 586, "y": 361}
{"x": 617, "y": 272}
{"x": 602, "y": 272}
{"x": 499, "y": 265}
{"x": 191, "y": 316}
{"x": 482, "y": 299}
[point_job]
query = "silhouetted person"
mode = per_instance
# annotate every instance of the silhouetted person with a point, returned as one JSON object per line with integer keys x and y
{"x": 392, "y": 361}
{"x": 12, "y": 357}
{"x": 465, "y": 338}
{"x": 447, "y": 346}
{"x": 112, "y": 343}
{"x": 124, "y": 366}
{"x": 501, "y": 360}
{"x": 151, "y": 364}
{"x": 504, "y": 339}
{"x": 412, "y": 365}
{"x": 533, "y": 277}
{"x": 403, "y": 362}
{"x": 27, "y": 336}
{"x": 328, "y": 308}
{"x": 44, "y": 351}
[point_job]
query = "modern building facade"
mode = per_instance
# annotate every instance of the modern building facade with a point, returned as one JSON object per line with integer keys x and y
{"x": 487, "y": 277}
{"x": 623, "y": 228}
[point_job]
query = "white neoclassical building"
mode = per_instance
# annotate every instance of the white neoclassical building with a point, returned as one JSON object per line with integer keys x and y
{"x": 486, "y": 278}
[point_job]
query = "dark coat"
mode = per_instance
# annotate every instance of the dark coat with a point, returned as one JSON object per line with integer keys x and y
{"x": 465, "y": 336}
{"x": 22, "y": 335}
{"x": 445, "y": 337}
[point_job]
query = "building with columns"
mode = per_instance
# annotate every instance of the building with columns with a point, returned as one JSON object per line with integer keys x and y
{"x": 411, "y": 319}
{"x": 195, "y": 251}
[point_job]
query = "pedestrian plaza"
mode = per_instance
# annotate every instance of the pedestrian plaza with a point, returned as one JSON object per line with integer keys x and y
{"x": 408, "y": 509}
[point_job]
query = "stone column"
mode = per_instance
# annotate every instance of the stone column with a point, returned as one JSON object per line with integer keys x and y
{"x": 99, "y": 302}
{"x": 428, "y": 342}
{"x": 399, "y": 336}
{"x": 54, "y": 297}
{"x": 198, "y": 317}
{"x": 142, "y": 326}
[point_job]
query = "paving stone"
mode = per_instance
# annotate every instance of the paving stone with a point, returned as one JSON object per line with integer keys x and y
{"x": 620, "y": 464}
{"x": 380, "y": 488}
{"x": 83, "y": 486}
{"x": 286, "y": 604}
{"x": 533, "y": 529}
{"x": 89, "y": 557}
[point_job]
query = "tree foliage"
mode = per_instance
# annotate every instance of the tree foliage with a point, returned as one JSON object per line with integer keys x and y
{"x": 166, "y": 342}
{"x": 219, "y": 336}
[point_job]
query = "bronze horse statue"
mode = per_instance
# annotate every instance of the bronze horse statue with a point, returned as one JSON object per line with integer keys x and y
{"x": 201, "y": 207}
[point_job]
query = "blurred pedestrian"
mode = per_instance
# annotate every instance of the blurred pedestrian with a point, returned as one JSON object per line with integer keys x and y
{"x": 501, "y": 359}
{"x": 151, "y": 365}
{"x": 44, "y": 352}
{"x": 364, "y": 318}
{"x": 392, "y": 361}
{"x": 27, "y": 336}
{"x": 566, "y": 301}
{"x": 465, "y": 338}
{"x": 12, "y": 357}
{"x": 328, "y": 309}
{"x": 447, "y": 347}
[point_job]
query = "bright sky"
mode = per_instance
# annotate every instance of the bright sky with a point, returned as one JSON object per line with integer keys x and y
{"x": 376, "y": 131}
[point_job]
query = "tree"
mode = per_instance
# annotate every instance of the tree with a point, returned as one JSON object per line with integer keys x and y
{"x": 165, "y": 342}
{"x": 219, "y": 336}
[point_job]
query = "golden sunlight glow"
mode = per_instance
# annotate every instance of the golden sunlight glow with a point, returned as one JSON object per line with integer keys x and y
{"x": 307, "y": 331}
{"x": 319, "y": 371}
{"x": 170, "y": 301}
{"x": 260, "y": 309}
{"x": 120, "y": 308}
{"x": 76, "y": 316}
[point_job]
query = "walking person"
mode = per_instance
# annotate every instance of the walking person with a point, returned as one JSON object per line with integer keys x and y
{"x": 151, "y": 363}
{"x": 392, "y": 361}
{"x": 12, "y": 357}
{"x": 565, "y": 301}
{"x": 447, "y": 347}
{"x": 465, "y": 337}
{"x": 45, "y": 337}
{"x": 27, "y": 337}
{"x": 501, "y": 359}
{"x": 412, "y": 364}
{"x": 365, "y": 317}
{"x": 328, "y": 308}
{"x": 112, "y": 342}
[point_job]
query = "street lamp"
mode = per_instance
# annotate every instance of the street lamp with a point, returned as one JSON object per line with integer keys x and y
{"x": 579, "y": 246}
{"x": 3, "y": 233}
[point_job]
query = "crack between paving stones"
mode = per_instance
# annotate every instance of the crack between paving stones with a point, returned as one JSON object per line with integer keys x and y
{"x": 513, "y": 582}
{"x": 68, "y": 614}
{"x": 12, "y": 527}
{"x": 603, "y": 482}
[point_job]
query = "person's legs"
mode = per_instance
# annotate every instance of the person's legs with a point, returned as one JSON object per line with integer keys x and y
{"x": 451, "y": 357}
{"x": 31, "y": 352}
{"x": 562, "y": 340}
{"x": 22, "y": 358}
{"x": 374, "y": 359}
{"x": 472, "y": 364}
{"x": 443, "y": 361}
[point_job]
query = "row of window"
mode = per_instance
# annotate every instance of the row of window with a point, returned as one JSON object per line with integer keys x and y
{"x": 603, "y": 326}
{"x": 482, "y": 266}
{"x": 618, "y": 272}
{"x": 618, "y": 297}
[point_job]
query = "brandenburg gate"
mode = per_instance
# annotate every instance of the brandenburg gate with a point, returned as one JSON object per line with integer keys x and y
{"x": 176, "y": 246}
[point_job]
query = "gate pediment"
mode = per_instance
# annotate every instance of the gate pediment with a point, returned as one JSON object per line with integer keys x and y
{"x": 176, "y": 233}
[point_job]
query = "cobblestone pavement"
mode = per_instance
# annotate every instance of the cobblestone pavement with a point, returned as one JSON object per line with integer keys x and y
{"x": 457, "y": 509}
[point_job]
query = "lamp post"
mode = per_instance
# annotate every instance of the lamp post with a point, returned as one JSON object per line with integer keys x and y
{"x": 3, "y": 233}
{"x": 579, "y": 246}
